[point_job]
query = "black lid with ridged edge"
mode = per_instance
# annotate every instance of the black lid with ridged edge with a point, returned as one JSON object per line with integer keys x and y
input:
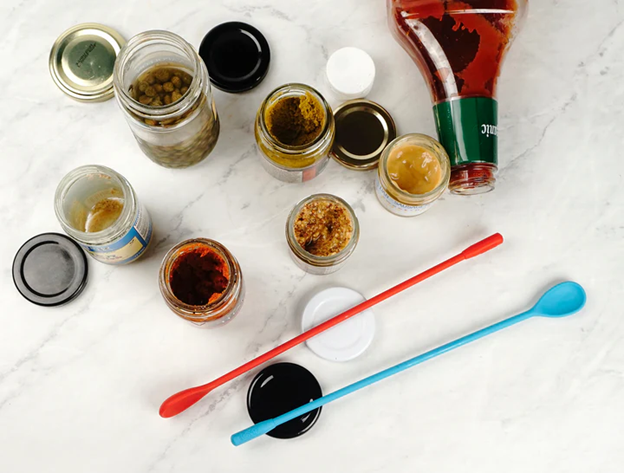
{"x": 279, "y": 388}
{"x": 50, "y": 269}
{"x": 236, "y": 55}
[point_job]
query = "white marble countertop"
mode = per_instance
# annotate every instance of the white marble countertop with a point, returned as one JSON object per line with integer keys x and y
{"x": 80, "y": 385}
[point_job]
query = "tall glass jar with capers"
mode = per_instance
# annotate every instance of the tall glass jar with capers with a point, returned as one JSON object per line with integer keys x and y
{"x": 162, "y": 86}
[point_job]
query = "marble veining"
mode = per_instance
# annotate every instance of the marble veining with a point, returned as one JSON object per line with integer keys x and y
{"x": 80, "y": 385}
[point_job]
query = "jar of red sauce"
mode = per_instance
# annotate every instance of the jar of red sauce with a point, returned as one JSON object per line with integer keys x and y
{"x": 202, "y": 282}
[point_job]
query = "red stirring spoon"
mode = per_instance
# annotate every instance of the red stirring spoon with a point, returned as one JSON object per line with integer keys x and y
{"x": 184, "y": 399}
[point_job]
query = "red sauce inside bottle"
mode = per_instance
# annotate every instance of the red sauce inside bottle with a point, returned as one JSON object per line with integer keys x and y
{"x": 458, "y": 45}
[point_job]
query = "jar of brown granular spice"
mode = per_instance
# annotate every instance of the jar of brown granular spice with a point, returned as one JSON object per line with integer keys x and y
{"x": 322, "y": 231}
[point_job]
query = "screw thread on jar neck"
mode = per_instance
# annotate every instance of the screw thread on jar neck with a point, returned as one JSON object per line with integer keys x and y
{"x": 473, "y": 179}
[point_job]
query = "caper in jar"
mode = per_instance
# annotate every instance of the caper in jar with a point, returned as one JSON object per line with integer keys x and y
{"x": 191, "y": 148}
{"x": 160, "y": 85}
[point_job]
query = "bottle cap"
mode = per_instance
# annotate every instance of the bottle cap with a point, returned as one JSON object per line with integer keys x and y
{"x": 350, "y": 73}
{"x": 363, "y": 130}
{"x": 347, "y": 340}
{"x": 82, "y": 61}
{"x": 50, "y": 269}
{"x": 279, "y": 388}
{"x": 236, "y": 55}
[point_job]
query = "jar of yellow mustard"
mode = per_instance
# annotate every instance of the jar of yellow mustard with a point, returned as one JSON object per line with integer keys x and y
{"x": 414, "y": 171}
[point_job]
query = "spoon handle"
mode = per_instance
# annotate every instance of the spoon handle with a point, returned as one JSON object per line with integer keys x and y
{"x": 263, "y": 427}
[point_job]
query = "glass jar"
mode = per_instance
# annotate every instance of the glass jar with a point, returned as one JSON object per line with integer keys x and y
{"x": 181, "y": 133}
{"x": 98, "y": 208}
{"x": 224, "y": 306}
{"x": 396, "y": 200}
{"x": 320, "y": 265}
{"x": 294, "y": 163}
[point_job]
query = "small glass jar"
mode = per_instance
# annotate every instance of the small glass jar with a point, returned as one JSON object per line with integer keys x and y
{"x": 294, "y": 163}
{"x": 320, "y": 265}
{"x": 182, "y": 133}
{"x": 214, "y": 313}
{"x": 98, "y": 208}
{"x": 395, "y": 199}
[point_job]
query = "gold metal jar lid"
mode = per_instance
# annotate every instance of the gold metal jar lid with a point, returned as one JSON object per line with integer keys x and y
{"x": 82, "y": 60}
{"x": 363, "y": 130}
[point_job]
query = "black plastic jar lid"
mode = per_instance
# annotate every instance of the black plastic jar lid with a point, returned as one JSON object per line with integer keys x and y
{"x": 237, "y": 56}
{"x": 50, "y": 269}
{"x": 278, "y": 389}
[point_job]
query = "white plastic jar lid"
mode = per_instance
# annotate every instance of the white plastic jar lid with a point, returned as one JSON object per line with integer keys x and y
{"x": 350, "y": 73}
{"x": 347, "y": 340}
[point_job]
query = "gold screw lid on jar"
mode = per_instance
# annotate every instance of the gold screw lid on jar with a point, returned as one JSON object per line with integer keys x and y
{"x": 363, "y": 130}
{"x": 82, "y": 60}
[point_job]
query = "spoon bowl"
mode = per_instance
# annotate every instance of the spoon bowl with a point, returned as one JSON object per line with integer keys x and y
{"x": 561, "y": 300}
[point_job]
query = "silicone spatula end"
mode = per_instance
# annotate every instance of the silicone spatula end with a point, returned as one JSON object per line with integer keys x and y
{"x": 484, "y": 245}
{"x": 181, "y": 401}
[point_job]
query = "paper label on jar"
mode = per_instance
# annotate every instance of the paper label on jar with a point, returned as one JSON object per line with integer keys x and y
{"x": 129, "y": 247}
{"x": 396, "y": 207}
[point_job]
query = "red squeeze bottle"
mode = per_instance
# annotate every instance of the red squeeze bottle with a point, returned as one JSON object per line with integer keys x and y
{"x": 459, "y": 47}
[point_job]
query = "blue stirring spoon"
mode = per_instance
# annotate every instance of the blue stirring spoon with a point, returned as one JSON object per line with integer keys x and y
{"x": 559, "y": 301}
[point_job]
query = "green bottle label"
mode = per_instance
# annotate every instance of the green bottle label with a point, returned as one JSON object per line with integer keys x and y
{"x": 467, "y": 128}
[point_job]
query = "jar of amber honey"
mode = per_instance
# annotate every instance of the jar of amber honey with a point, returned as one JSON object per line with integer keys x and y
{"x": 202, "y": 282}
{"x": 414, "y": 171}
